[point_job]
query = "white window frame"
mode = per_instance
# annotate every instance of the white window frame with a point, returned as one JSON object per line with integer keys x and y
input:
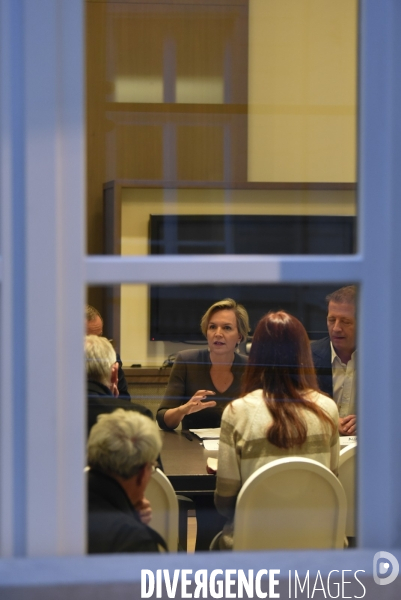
{"x": 44, "y": 273}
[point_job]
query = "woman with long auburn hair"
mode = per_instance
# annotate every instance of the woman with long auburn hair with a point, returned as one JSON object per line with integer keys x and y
{"x": 281, "y": 412}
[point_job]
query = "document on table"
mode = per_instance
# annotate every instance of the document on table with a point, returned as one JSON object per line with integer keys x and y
{"x": 211, "y": 444}
{"x": 207, "y": 434}
{"x": 347, "y": 439}
{"x": 211, "y": 465}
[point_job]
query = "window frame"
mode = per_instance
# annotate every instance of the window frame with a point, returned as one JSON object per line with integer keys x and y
{"x": 44, "y": 273}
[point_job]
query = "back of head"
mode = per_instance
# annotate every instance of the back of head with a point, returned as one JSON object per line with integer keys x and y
{"x": 122, "y": 442}
{"x": 91, "y": 313}
{"x": 280, "y": 363}
{"x": 94, "y": 321}
{"x": 280, "y": 359}
{"x": 100, "y": 357}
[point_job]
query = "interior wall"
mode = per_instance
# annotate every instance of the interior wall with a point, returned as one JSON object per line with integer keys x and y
{"x": 138, "y": 204}
{"x": 302, "y": 90}
{"x": 301, "y": 120}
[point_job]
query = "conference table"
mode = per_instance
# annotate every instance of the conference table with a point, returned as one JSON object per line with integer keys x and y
{"x": 184, "y": 463}
{"x": 183, "y": 460}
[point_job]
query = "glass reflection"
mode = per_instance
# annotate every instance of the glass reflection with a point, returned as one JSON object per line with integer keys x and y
{"x": 243, "y": 112}
{"x": 289, "y": 349}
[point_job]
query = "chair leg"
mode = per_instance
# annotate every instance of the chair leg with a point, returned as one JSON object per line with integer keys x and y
{"x": 184, "y": 505}
{"x": 351, "y": 542}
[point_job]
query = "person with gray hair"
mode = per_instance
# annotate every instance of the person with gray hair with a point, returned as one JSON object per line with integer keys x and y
{"x": 102, "y": 378}
{"x": 334, "y": 356}
{"x": 101, "y": 364}
{"x": 94, "y": 326}
{"x": 122, "y": 450}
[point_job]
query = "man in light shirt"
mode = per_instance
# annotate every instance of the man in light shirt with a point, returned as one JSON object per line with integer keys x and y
{"x": 335, "y": 356}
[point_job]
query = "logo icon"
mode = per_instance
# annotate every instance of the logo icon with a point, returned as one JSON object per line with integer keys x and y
{"x": 386, "y": 564}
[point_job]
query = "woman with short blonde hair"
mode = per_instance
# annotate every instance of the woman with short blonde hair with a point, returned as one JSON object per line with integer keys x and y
{"x": 202, "y": 382}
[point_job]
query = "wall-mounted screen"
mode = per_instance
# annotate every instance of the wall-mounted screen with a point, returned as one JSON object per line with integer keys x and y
{"x": 252, "y": 234}
{"x": 175, "y": 311}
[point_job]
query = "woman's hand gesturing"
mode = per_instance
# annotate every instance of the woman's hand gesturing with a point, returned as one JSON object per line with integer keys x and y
{"x": 174, "y": 416}
{"x": 196, "y": 403}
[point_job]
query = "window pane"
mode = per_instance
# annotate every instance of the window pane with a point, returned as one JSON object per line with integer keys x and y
{"x": 166, "y": 359}
{"x": 222, "y": 129}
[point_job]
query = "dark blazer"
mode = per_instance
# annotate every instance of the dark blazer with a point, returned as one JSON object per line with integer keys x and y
{"x": 122, "y": 382}
{"x": 321, "y": 354}
{"x": 113, "y": 523}
{"x": 101, "y": 400}
{"x": 190, "y": 373}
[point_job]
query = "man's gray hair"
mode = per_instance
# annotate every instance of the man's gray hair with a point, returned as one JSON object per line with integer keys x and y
{"x": 100, "y": 357}
{"x": 346, "y": 295}
{"x": 122, "y": 442}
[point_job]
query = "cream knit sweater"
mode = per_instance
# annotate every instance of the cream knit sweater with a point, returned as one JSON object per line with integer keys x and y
{"x": 244, "y": 446}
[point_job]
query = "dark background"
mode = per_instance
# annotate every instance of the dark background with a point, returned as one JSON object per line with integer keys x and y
{"x": 176, "y": 310}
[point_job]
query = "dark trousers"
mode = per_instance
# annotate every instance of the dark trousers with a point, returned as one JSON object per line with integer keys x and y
{"x": 209, "y": 521}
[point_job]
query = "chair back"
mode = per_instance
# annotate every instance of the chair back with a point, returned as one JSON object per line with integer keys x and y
{"x": 164, "y": 503}
{"x": 346, "y": 475}
{"x": 290, "y": 503}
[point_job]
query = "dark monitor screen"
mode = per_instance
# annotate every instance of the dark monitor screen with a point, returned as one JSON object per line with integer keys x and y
{"x": 251, "y": 234}
{"x": 175, "y": 311}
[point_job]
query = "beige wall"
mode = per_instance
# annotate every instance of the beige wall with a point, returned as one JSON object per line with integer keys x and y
{"x": 301, "y": 128}
{"x": 138, "y": 204}
{"x": 302, "y": 90}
